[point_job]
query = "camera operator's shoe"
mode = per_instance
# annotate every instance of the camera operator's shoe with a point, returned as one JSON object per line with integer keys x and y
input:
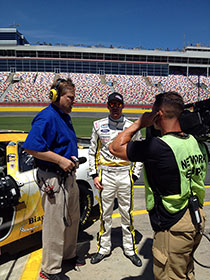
{"x": 96, "y": 258}
{"x": 47, "y": 276}
{"x": 135, "y": 259}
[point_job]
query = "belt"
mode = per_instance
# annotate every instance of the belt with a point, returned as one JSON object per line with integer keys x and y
{"x": 115, "y": 168}
{"x": 56, "y": 170}
{"x": 53, "y": 169}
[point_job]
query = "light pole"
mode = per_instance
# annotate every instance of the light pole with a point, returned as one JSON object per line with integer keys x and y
{"x": 199, "y": 87}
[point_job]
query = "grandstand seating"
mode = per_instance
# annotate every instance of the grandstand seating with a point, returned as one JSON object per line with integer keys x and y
{"x": 31, "y": 87}
{"x": 3, "y": 84}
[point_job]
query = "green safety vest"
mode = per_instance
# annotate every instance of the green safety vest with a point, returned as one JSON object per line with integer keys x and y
{"x": 192, "y": 161}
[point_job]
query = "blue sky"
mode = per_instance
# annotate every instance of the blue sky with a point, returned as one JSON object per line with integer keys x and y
{"x": 129, "y": 23}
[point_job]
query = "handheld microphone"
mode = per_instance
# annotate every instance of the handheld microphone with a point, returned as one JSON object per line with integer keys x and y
{"x": 82, "y": 160}
{"x": 78, "y": 161}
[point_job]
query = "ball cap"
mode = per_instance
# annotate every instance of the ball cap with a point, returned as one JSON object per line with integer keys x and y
{"x": 115, "y": 96}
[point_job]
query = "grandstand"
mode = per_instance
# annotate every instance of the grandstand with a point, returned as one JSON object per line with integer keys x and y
{"x": 27, "y": 71}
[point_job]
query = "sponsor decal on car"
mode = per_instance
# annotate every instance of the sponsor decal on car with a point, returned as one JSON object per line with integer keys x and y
{"x": 35, "y": 219}
{"x": 11, "y": 157}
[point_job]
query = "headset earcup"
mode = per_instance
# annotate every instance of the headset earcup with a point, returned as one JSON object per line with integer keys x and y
{"x": 53, "y": 95}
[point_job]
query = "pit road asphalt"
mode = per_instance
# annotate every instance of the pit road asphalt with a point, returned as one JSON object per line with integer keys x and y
{"x": 22, "y": 260}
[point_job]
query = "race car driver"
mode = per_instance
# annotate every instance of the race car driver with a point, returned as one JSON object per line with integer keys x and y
{"x": 113, "y": 177}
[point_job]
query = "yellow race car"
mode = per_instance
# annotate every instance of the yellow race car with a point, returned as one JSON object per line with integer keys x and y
{"x": 21, "y": 213}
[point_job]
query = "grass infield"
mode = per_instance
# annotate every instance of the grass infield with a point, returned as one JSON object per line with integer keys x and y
{"x": 82, "y": 126}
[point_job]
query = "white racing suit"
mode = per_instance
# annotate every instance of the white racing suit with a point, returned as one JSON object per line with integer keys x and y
{"x": 116, "y": 175}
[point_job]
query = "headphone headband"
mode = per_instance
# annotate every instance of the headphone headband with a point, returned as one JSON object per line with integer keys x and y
{"x": 58, "y": 82}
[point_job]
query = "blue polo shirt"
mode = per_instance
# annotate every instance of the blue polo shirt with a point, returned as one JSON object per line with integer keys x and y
{"x": 52, "y": 130}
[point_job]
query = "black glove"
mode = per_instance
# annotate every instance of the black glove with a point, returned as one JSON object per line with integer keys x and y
{"x": 94, "y": 176}
{"x": 134, "y": 177}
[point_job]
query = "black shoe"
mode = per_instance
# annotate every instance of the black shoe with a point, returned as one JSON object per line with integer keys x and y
{"x": 77, "y": 261}
{"x": 80, "y": 261}
{"x": 135, "y": 260}
{"x": 47, "y": 276}
{"x": 96, "y": 258}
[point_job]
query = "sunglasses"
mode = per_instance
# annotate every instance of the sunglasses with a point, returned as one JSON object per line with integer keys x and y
{"x": 118, "y": 105}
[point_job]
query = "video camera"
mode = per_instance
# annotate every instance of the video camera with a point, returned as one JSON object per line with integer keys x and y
{"x": 194, "y": 120}
{"x": 197, "y": 121}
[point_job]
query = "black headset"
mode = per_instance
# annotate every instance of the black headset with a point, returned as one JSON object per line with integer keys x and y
{"x": 54, "y": 92}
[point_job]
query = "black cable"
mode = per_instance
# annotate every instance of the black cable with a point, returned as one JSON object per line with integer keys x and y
{"x": 196, "y": 219}
{"x": 65, "y": 204}
{"x": 202, "y": 265}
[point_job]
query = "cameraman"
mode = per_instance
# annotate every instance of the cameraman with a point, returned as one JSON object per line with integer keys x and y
{"x": 175, "y": 165}
{"x": 52, "y": 141}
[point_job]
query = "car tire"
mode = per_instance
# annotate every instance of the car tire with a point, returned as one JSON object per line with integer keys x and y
{"x": 6, "y": 221}
{"x": 86, "y": 204}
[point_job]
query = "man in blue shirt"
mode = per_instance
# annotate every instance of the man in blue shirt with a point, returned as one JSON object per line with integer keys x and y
{"x": 53, "y": 143}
